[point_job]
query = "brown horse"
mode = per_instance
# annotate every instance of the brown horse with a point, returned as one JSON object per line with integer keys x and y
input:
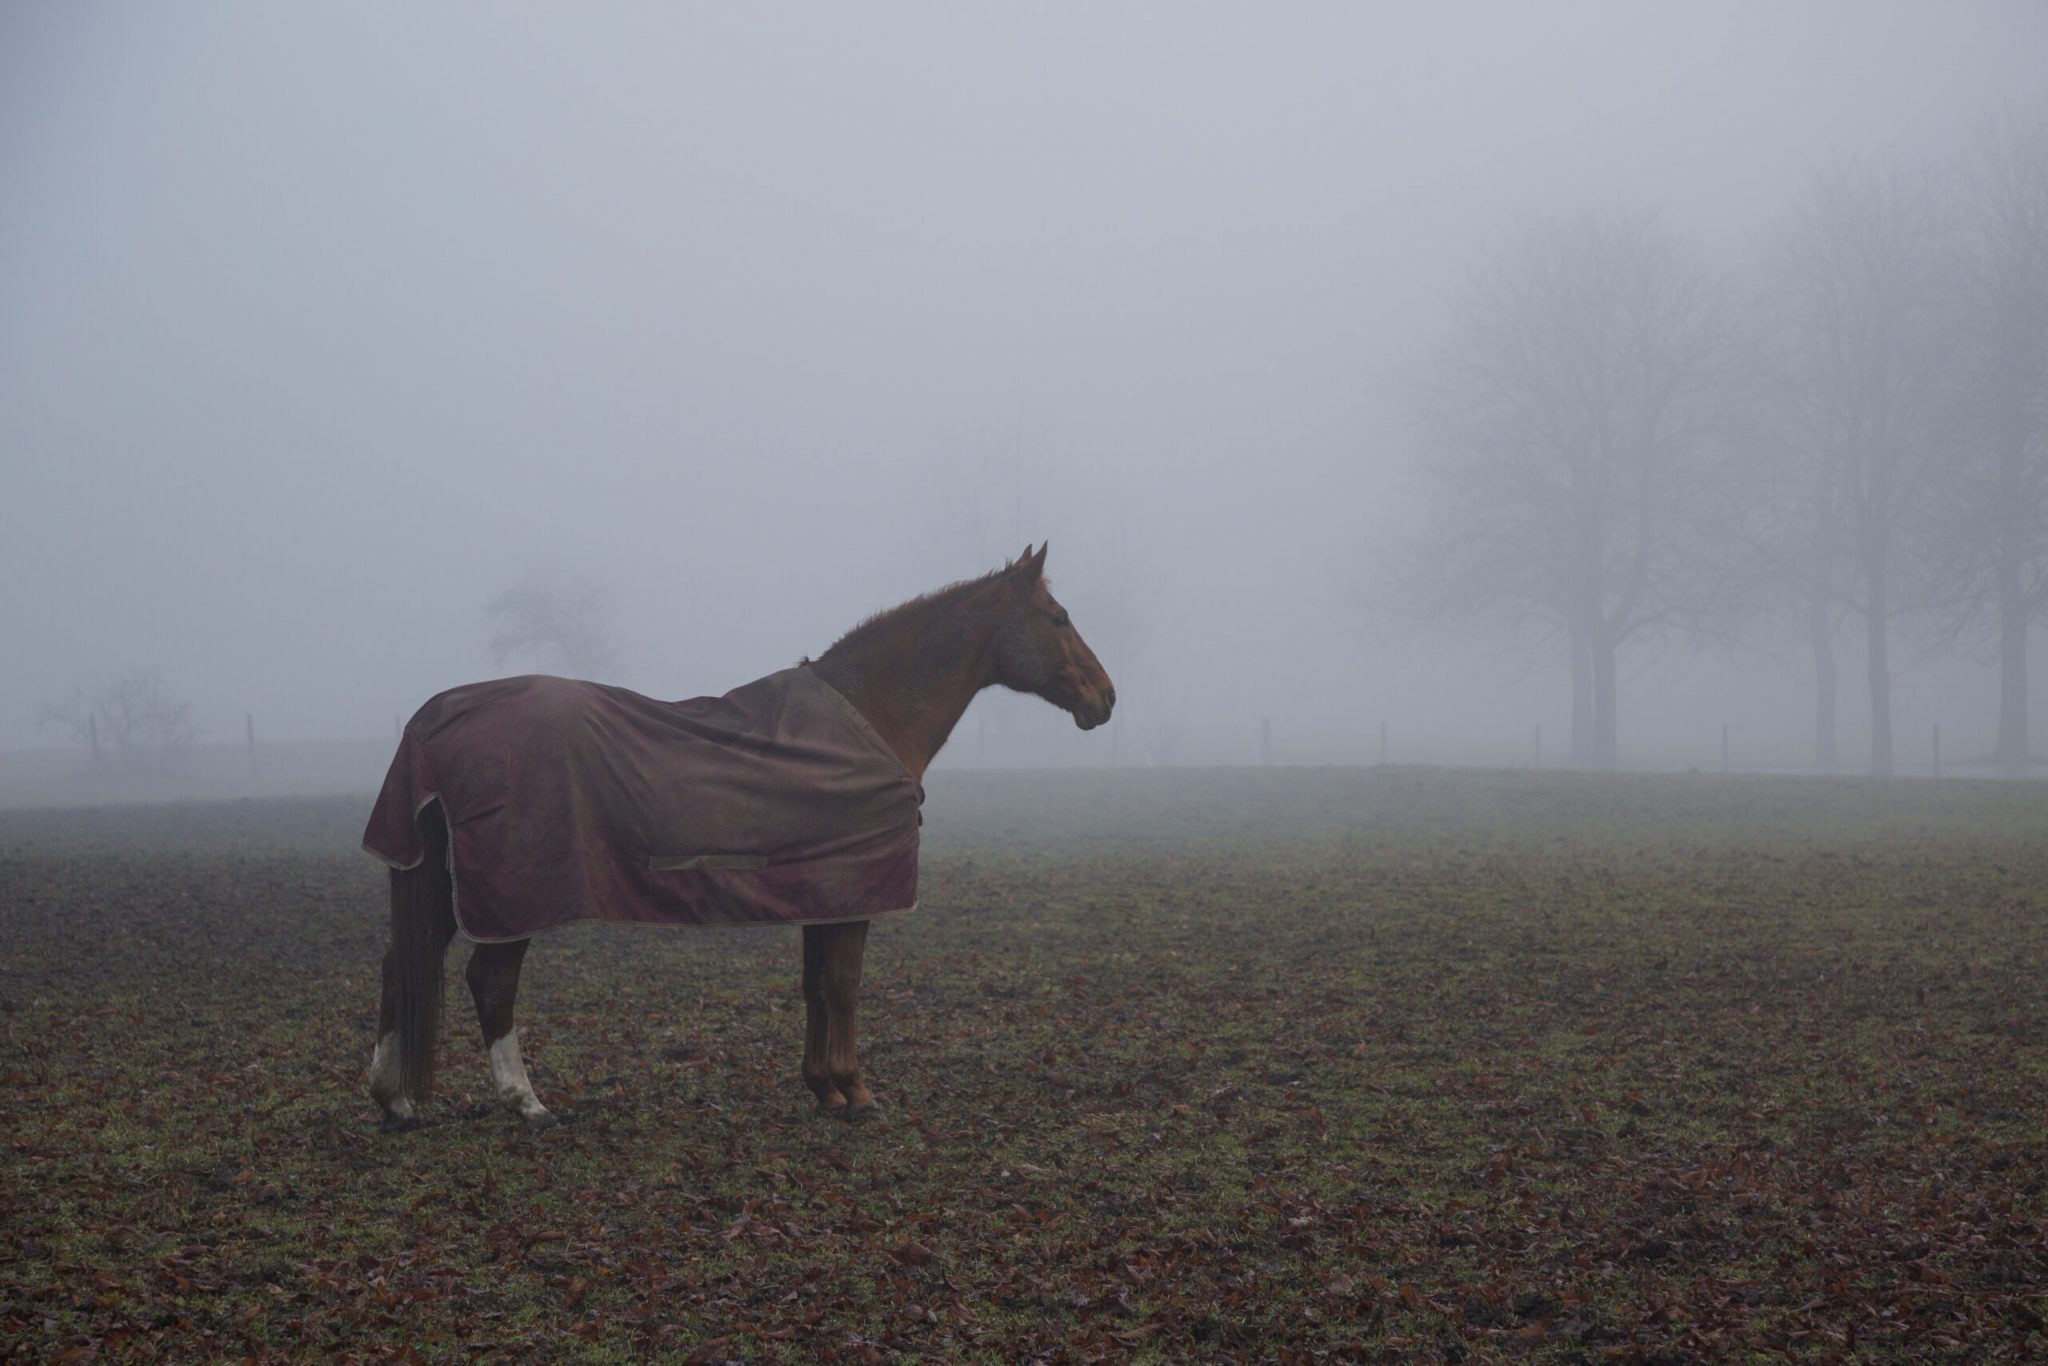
{"x": 911, "y": 673}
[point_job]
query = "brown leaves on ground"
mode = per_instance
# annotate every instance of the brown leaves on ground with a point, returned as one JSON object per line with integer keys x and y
{"x": 1254, "y": 1066}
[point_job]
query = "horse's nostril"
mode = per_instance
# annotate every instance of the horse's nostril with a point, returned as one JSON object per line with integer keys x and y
{"x": 1109, "y": 698}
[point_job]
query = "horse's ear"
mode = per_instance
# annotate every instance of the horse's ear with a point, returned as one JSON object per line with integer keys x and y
{"x": 1031, "y": 564}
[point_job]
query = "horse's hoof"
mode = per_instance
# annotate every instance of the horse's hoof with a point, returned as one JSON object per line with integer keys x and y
{"x": 870, "y": 1113}
{"x": 398, "y": 1124}
{"x": 546, "y": 1119}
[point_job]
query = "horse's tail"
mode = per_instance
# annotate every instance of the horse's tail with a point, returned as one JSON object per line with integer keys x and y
{"x": 422, "y": 923}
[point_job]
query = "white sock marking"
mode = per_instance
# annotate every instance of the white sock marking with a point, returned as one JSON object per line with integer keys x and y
{"x": 508, "y": 1071}
{"x": 384, "y": 1086}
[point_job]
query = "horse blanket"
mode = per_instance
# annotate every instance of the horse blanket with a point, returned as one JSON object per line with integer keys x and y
{"x": 776, "y": 804}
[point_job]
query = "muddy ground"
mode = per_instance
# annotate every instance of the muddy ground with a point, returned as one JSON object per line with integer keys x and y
{"x": 1383, "y": 1064}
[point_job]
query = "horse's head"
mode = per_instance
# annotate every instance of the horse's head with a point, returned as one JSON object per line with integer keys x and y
{"x": 1039, "y": 651}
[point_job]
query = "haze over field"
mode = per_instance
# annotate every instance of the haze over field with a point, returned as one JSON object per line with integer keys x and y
{"x": 321, "y": 325}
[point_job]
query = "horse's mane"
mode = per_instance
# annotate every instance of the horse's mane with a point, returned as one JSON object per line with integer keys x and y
{"x": 881, "y": 623}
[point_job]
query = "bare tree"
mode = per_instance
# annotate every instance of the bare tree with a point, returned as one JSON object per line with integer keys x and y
{"x": 1991, "y": 561}
{"x": 1568, "y": 433}
{"x": 131, "y": 723}
{"x": 1794, "y": 515}
{"x": 1865, "y": 277}
{"x": 558, "y": 621}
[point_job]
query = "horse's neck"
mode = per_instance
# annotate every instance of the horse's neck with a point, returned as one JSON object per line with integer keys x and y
{"x": 913, "y": 685}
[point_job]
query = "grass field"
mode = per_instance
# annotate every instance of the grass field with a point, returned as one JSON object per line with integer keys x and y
{"x": 1390, "y": 1064}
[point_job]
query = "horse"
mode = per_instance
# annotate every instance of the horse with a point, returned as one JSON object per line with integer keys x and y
{"x": 910, "y": 673}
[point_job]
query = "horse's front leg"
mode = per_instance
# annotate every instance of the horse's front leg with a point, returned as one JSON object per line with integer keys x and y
{"x": 493, "y": 977}
{"x": 832, "y": 959}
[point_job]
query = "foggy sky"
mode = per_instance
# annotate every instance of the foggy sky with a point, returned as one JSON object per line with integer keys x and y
{"x": 319, "y": 322}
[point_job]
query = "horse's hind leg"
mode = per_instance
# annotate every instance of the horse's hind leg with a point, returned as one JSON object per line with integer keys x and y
{"x": 493, "y": 977}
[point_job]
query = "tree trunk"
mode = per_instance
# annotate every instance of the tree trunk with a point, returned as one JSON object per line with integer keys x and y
{"x": 1826, "y": 683}
{"x": 2013, "y": 609}
{"x": 1874, "y": 556}
{"x": 1880, "y": 670}
{"x": 1582, "y": 699}
{"x": 1606, "y": 733}
{"x": 2012, "y": 680}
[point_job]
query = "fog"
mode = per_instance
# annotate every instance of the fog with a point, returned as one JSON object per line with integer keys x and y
{"x": 320, "y": 325}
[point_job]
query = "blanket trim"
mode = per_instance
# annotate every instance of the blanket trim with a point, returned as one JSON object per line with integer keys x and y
{"x": 397, "y": 867}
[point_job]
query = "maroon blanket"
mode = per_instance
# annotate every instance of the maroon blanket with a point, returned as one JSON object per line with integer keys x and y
{"x": 774, "y": 804}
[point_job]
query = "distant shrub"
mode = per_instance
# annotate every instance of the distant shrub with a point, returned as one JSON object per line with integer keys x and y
{"x": 132, "y": 723}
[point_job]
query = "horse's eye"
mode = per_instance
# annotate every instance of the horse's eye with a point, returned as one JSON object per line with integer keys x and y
{"x": 1060, "y": 620}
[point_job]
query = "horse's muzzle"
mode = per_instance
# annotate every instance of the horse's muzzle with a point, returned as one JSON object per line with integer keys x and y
{"x": 1089, "y": 715}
